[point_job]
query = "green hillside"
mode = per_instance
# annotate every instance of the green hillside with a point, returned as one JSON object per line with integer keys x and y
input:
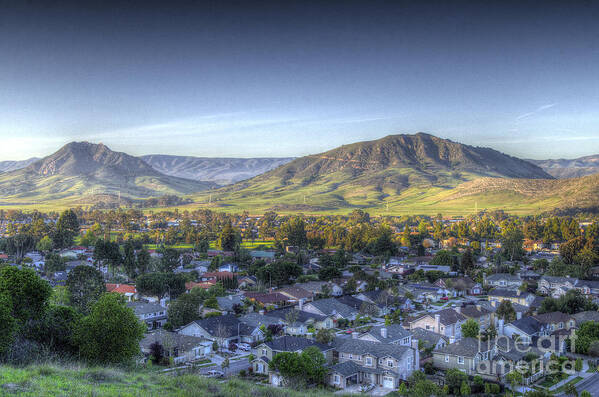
{"x": 53, "y": 380}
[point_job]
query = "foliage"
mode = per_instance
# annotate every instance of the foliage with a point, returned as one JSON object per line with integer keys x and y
{"x": 470, "y": 329}
{"x": 156, "y": 352}
{"x": 159, "y": 284}
{"x": 67, "y": 227}
{"x": 572, "y": 302}
{"x": 183, "y": 310}
{"x": 56, "y": 329}
{"x": 588, "y": 332}
{"x": 454, "y": 379}
{"x": 85, "y": 285}
{"x": 28, "y": 293}
{"x": 111, "y": 332}
{"x": 8, "y": 323}
{"x": 506, "y": 311}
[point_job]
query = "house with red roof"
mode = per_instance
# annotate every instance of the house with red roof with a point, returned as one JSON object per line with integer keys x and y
{"x": 126, "y": 290}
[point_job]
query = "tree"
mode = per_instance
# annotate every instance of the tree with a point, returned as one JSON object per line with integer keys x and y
{"x": 585, "y": 393}
{"x": 28, "y": 293}
{"x": 470, "y": 329}
{"x": 129, "y": 259}
{"x": 467, "y": 261}
{"x": 225, "y": 364}
{"x": 8, "y": 324}
{"x": 454, "y": 379}
{"x": 570, "y": 389}
{"x": 578, "y": 365}
{"x": 403, "y": 390}
{"x": 67, "y": 227}
{"x": 111, "y": 332}
{"x": 45, "y": 244}
{"x": 85, "y": 285}
{"x": 229, "y": 238}
{"x": 512, "y": 241}
{"x": 161, "y": 284}
{"x": 143, "y": 261}
{"x": 514, "y": 378}
{"x": 57, "y": 328}
{"x": 314, "y": 364}
{"x": 442, "y": 258}
{"x": 183, "y": 310}
{"x": 324, "y": 336}
{"x": 506, "y": 311}
{"x": 294, "y": 232}
{"x": 169, "y": 260}
{"x": 465, "y": 389}
{"x": 156, "y": 352}
{"x": 329, "y": 273}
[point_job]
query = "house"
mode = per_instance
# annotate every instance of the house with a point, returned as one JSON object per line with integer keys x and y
{"x": 275, "y": 299}
{"x": 128, "y": 291}
{"x": 331, "y": 307}
{"x": 429, "y": 292}
{"x": 429, "y": 340}
{"x": 504, "y": 281}
{"x": 182, "y": 348}
{"x": 586, "y": 316}
{"x": 296, "y": 294}
{"x": 447, "y": 322}
{"x": 588, "y": 287}
{"x": 478, "y": 313}
{"x": 228, "y": 267}
{"x": 229, "y": 302}
{"x": 555, "y": 286}
{"x": 267, "y": 256}
{"x": 524, "y": 329}
{"x": 529, "y": 329}
{"x": 215, "y": 276}
{"x": 315, "y": 287}
{"x": 298, "y": 322}
{"x": 393, "y": 334}
{"x": 515, "y": 296}
{"x": 247, "y": 282}
{"x": 366, "y": 362}
{"x": 463, "y": 285}
{"x": 265, "y": 352}
{"x": 153, "y": 314}
{"x": 465, "y": 355}
{"x": 223, "y": 329}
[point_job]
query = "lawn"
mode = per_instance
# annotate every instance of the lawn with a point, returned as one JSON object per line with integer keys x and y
{"x": 78, "y": 380}
{"x": 553, "y": 379}
{"x": 563, "y": 387}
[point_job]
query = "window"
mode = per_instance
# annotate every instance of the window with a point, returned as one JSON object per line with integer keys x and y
{"x": 337, "y": 379}
{"x": 446, "y": 358}
{"x": 390, "y": 363}
{"x": 460, "y": 360}
{"x": 571, "y": 323}
{"x": 351, "y": 356}
{"x": 428, "y": 327}
{"x": 368, "y": 360}
{"x": 264, "y": 352}
{"x": 342, "y": 355}
{"x": 561, "y": 325}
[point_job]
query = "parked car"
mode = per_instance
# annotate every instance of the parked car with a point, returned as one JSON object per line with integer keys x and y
{"x": 366, "y": 388}
{"x": 244, "y": 347}
{"x": 215, "y": 374}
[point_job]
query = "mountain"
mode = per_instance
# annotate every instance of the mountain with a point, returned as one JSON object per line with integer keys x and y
{"x": 223, "y": 171}
{"x": 7, "y": 166}
{"x": 397, "y": 170}
{"x": 574, "y": 168}
{"x": 82, "y": 172}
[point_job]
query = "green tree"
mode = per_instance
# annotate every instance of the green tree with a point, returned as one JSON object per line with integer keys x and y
{"x": 314, "y": 364}
{"x": 8, "y": 324}
{"x": 442, "y": 258}
{"x": 45, "y": 244}
{"x": 454, "y": 379}
{"x": 111, "y": 332}
{"x": 160, "y": 284}
{"x": 512, "y": 240}
{"x": 184, "y": 310}
{"x": 129, "y": 259}
{"x": 28, "y": 293}
{"x": 470, "y": 329}
{"x": 229, "y": 238}
{"x": 57, "y": 328}
{"x": 465, "y": 389}
{"x": 85, "y": 285}
{"x": 143, "y": 261}
{"x": 170, "y": 260}
{"x": 67, "y": 227}
{"x": 506, "y": 311}
{"x": 294, "y": 231}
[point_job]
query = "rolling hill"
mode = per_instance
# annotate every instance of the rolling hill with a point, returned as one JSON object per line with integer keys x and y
{"x": 223, "y": 171}
{"x": 417, "y": 173}
{"x": 7, "y": 166}
{"x": 84, "y": 173}
{"x": 574, "y": 168}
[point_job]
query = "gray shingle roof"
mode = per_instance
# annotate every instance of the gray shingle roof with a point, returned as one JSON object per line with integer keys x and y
{"x": 394, "y": 332}
{"x": 227, "y": 302}
{"x": 529, "y": 325}
{"x": 467, "y": 347}
{"x": 332, "y": 306}
{"x": 447, "y": 316}
{"x": 508, "y": 293}
{"x": 504, "y": 276}
{"x": 553, "y": 317}
{"x": 302, "y": 316}
{"x": 294, "y": 343}
{"x": 229, "y": 324}
{"x": 428, "y": 338}
{"x": 356, "y": 346}
{"x": 146, "y": 308}
{"x": 586, "y": 316}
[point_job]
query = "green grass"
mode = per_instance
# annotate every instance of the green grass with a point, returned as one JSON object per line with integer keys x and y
{"x": 53, "y": 380}
{"x": 563, "y": 387}
{"x": 552, "y": 380}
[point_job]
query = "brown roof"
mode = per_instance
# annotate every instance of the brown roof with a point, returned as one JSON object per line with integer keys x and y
{"x": 296, "y": 292}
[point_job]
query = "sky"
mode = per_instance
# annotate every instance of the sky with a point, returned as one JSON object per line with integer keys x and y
{"x": 286, "y": 78}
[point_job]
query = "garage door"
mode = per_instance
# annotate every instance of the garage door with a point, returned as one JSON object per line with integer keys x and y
{"x": 388, "y": 382}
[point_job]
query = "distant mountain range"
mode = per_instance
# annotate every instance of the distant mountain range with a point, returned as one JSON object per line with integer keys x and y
{"x": 563, "y": 168}
{"x": 7, "y": 166}
{"x": 83, "y": 173}
{"x": 223, "y": 171}
{"x": 397, "y": 174}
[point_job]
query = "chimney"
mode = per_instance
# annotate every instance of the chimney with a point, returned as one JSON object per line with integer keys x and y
{"x": 437, "y": 321}
{"x": 416, "y": 354}
{"x": 384, "y": 333}
{"x": 500, "y": 326}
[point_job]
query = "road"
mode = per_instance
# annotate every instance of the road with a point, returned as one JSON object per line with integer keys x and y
{"x": 234, "y": 367}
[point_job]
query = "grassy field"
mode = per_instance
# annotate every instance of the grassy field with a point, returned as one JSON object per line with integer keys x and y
{"x": 53, "y": 380}
{"x": 249, "y": 245}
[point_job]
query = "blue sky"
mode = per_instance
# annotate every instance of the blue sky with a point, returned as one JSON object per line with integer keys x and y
{"x": 288, "y": 79}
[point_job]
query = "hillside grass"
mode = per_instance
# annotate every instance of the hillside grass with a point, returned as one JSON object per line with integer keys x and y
{"x": 76, "y": 380}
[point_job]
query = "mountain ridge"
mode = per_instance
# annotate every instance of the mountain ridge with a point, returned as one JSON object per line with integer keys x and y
{"x": 570, "y": 168}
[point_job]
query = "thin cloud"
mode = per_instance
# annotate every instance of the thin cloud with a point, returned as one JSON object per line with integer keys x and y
{"x": 538, "y": 110}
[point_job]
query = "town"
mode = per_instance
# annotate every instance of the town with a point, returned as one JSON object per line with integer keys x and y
{"x": 416, "y": 305}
